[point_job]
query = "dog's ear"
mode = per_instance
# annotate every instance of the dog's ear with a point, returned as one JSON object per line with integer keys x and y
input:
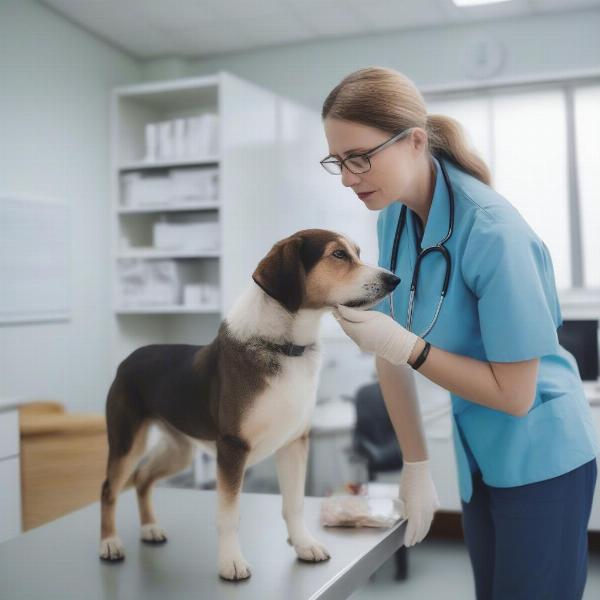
{"x": 281, "y": 273}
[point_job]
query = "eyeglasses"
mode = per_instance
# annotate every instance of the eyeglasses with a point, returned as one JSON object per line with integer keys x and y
{"x": 359, "y": 163}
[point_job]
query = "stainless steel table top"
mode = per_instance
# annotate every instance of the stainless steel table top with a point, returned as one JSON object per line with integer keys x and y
{"x": 60, "y": 559}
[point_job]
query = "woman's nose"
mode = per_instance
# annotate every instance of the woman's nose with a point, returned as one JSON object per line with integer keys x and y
{"x": 349, "y": 178}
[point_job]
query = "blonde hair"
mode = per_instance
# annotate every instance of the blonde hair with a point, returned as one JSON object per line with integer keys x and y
{"x": 388, "y": 100}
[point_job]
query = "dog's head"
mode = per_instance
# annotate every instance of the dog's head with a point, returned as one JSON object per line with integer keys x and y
{"x": 318, "y": 268}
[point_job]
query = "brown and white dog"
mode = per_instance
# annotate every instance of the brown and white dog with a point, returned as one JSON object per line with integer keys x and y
{"x": 246, "y": 395}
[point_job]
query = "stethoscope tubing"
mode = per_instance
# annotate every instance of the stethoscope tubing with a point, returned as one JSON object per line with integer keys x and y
{"x": 439, "y": 247}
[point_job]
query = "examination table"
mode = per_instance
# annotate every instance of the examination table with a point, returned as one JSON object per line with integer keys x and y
{"x": 60, "y": 559}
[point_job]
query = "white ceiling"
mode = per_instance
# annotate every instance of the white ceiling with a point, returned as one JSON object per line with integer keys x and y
{"x": 198, "y": 28}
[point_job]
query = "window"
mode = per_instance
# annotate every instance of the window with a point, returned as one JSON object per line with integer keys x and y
{"x": 587, "y": 143}
{"x": 530, "y": 168}
{"x": 524, "y": 136}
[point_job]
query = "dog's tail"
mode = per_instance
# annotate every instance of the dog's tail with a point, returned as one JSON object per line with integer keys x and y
{"x": 126, "y": 429}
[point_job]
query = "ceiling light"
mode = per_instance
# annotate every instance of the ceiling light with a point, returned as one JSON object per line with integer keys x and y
{"x": 463, "y": 3}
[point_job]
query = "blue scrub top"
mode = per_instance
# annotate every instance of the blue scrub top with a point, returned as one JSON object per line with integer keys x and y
{"x": 501, "y": 306}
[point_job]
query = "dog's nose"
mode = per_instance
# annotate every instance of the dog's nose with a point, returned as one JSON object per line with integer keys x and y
{"x": 390, "y": 281}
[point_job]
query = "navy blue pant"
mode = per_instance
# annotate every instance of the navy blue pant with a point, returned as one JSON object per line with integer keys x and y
{"x": 530, "y": 542}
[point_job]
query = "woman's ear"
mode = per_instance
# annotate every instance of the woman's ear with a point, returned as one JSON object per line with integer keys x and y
{"x": 281, "y": 273}
{"x": 419, "y": 138}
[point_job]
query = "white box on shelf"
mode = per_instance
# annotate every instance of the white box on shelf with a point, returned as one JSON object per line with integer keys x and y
{"x": 148, "y": 283}
{"x": 145, "y": 189}
{"x": 213, "y": 295}
{"x": 194, "y": 185}
{"x": 193, "y": 137}
{"x": 186, "y": 236}
{"x": 203, "y": 135}
{"x": 151, "y": 136}
{"x": 192, "y": 294}
{"x": 166, "y": 141}
{"x": 201, "y": 294}
{"x": 157, "y": 188}
{"x": 179, "y": 138}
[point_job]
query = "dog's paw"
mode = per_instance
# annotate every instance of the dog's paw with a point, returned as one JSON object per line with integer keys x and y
{"x": 310, "y": 550}
{"x": 111, "y": 549}
{"x": 234, "y": 568}
{"x": 153, "y": 534}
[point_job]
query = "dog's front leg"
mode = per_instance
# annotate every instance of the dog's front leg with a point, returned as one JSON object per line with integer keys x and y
{"x": 232, "y": 453}
{"x": 291, "y": 469}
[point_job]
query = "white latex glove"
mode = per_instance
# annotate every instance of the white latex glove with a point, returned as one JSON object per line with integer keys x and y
{"x": 378, "y": 333}
{"x": 418, "y": 493}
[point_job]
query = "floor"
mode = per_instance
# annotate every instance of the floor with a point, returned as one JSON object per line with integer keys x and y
{"x": 440, "y": 569}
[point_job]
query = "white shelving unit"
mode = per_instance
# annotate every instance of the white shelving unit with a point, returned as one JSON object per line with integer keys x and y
{"x": 270, "y": 185}
{"x": 133, "y": 107}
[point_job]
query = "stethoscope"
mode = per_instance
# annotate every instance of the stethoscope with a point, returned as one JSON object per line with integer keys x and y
{"x": 439, "y": 247}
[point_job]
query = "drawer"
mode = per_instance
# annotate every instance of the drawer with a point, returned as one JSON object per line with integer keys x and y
{"x": 9, "y": 433}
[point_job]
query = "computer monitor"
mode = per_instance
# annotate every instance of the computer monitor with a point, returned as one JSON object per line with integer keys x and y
{"x": 580, "y": 338}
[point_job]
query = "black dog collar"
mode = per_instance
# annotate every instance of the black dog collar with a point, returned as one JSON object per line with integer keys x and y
{"x": 289, "y": 349}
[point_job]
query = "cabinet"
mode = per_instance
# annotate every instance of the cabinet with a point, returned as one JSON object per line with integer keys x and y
{"x": 10, "y": 480}
{"x": 161, "y": 209}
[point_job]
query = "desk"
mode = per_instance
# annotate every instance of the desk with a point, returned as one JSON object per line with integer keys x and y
{"x": 60, "y": 559}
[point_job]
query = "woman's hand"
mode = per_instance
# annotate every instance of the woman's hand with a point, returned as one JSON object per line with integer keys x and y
{"x": 420, "y": 498}
{"x": 375, "y": 332}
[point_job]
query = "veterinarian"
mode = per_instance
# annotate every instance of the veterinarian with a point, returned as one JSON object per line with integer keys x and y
{"x": 482, "y": 323}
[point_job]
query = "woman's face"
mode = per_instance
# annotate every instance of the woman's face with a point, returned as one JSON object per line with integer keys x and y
{"x": 393, "y": 170}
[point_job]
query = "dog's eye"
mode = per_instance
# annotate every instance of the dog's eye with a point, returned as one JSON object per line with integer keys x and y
{"x": 339, "y": 254}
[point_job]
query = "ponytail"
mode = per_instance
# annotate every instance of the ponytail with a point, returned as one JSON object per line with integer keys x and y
{"x": 447, "y": 140}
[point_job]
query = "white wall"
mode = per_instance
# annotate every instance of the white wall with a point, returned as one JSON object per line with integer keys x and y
{"x": 54, "y": 135}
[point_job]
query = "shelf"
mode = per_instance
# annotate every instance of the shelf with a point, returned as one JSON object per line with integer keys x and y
{"x": 175, "y": 309}
{"x": 141, "y": 165}
{"x": 174, "y": 207}
{"x": 154, "y": 253}
{"x": 174, "y": 94}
